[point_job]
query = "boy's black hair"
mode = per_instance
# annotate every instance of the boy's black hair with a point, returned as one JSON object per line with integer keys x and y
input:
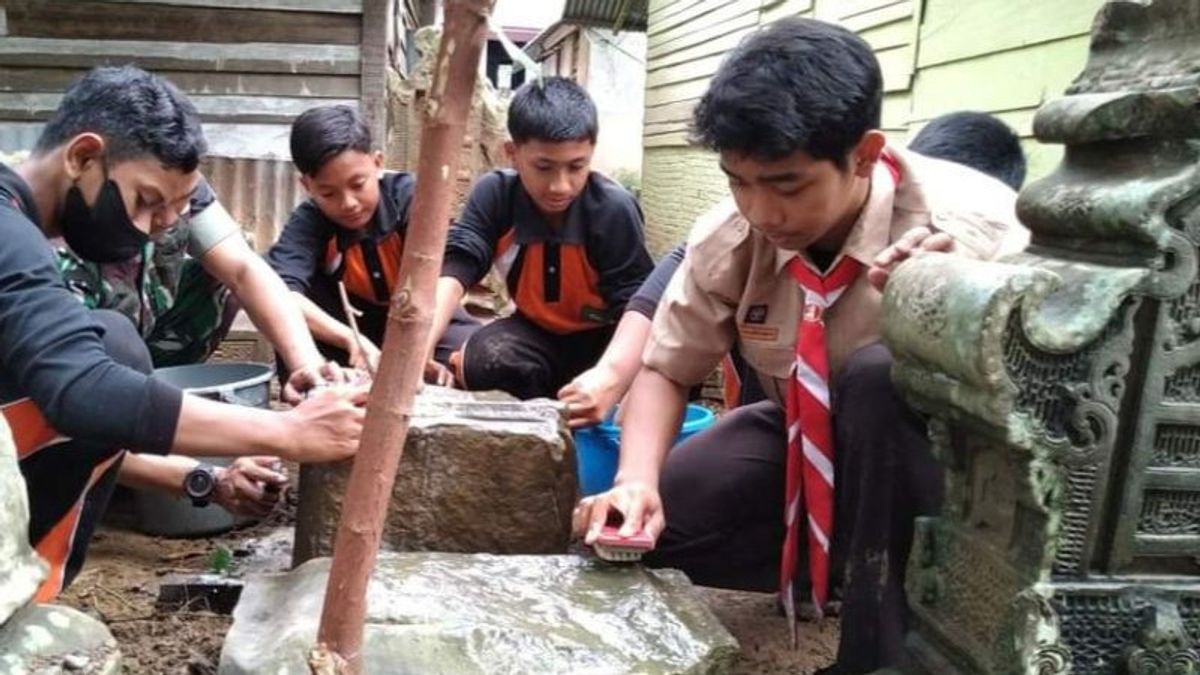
{"x": 322, "y": 133}
{"x": 796, "y": 85}
{"x": 137, "y": 113}
{"x": 977, "y": 140}
{"x": 558, "y": 110}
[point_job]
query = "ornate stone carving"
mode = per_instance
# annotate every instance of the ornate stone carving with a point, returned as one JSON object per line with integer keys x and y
{"x": 1063, "y": 385}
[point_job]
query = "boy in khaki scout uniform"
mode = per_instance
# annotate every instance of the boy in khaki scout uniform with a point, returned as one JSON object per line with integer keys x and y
{"x": 823, "y": 480}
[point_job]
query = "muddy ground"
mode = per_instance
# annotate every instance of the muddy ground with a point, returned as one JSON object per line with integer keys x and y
{"x": 120, "y": 582}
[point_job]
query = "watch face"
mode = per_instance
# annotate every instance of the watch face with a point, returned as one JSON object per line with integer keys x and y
{"x": 199, "y": 483}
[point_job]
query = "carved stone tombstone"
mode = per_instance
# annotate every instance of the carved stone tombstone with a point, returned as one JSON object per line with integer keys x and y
{"x": 1063, "y": 386}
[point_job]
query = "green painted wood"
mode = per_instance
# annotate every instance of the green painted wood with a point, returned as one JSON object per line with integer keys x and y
{"x": 778, "y": 10}
{"x": 676, "y": 92}
{"x": 953, "y": 30}
{"x": 713, "y": 40}
{"x": 897, "y": 67}
{"x": 673, "y": 139}
{"x": 664, "y": 9}
{"x": 879, "y": 17}
{"x": 709, "y": 13}
{"x": 890, "y": 35}
{"x": 897, "y": 107}
{"x": 1012, "y": 80}
{"x": 680, "y": 111}
{"x": 704, "y": 39}
{"x": 684, "y": 72}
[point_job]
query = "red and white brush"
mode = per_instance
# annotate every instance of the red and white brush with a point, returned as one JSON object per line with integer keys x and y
{"x": 611, "y": 546}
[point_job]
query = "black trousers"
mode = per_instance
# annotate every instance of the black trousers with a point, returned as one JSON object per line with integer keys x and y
{"x": 517, "y": 356}
{"x": 722, "y": 493}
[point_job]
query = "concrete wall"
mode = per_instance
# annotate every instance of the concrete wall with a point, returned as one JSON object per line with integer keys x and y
{"x": 616, "y": 79}
{"x": 1006, "y": 57}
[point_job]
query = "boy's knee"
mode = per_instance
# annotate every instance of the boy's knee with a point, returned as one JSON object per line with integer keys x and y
{"x": 868, "y": 369}
{"x": 122, "y": 342}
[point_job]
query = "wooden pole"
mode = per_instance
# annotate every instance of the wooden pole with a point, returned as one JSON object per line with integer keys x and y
{"x": 409, "y": 318}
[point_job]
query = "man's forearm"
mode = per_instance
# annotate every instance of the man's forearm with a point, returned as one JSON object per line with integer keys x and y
{"x": 450, "y": 293}
{"x": 262, "y": 294}
{"x": 208, "y": 428}
{"x": 655, "y": 407}
{"x": 624, "y": 352}
{"x": 154, "y": 472}
{"x": 324, "y": 327}
{"x": 282, "y": 322}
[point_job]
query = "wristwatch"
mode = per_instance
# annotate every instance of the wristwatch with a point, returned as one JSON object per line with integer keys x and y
{"x": 200, "y": 483}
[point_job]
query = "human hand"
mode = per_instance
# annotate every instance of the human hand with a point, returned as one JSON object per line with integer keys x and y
{"x": 591, "y": 395}
{"x": 303, "y": 380}
{"x": 637, "y": 503}
{"x": 250, "y": 486}
{"x": 364, "y": 356}
{"x": 436, "y": 373}
{"x": 914, "y": 242}
{"x": 326, "y": 426}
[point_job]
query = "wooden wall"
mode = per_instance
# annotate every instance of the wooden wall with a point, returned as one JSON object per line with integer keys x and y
{"x": 1005, "y": 57}
{"x": 258, "y": 62}
{"x": 999, "y": 56}
{"x": 250, "y": 66}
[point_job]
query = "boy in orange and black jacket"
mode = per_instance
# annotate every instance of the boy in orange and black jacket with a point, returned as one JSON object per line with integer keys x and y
{"x": 567, "y": 240}
{"x": 351, "y": 230}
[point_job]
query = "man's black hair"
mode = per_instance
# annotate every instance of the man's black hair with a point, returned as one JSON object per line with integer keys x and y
{"x": 977, "y": 140}
{"x": 557, "y": 110}
{"x": 320, "y": 134}
{"x": 138, "y": 114}
{"x": 796, "y": 85}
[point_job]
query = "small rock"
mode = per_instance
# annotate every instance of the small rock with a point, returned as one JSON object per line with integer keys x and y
{"x": 75, "y": 662}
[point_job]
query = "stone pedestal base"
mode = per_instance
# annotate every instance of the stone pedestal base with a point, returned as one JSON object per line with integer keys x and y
{"x": 480, "y": 474}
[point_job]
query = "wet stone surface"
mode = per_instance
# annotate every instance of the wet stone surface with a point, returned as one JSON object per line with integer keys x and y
{"x": 432, "y": 613}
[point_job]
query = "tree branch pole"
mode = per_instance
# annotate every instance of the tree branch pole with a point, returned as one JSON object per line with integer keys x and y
{"x": 409, "y": 319}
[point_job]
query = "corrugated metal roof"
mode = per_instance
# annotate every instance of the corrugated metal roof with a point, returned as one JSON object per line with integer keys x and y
{"x": 612, "y": 14}
{"x": 259, "y": 193}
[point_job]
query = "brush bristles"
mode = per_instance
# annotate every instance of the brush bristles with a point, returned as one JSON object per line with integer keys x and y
{"x": 617, "y": 554}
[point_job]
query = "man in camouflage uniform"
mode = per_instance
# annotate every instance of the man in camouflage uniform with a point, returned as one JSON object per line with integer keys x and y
{"x": 201, "y": 272}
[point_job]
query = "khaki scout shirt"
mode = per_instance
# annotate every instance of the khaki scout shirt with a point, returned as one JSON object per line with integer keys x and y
{"x": 733, "y": 284}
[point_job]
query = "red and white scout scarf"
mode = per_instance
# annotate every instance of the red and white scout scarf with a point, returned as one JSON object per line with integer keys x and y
{"x": 810, "y": 450}
{"x": 810, "y": 433}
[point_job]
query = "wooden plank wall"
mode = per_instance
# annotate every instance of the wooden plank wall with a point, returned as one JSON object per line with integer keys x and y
{"x": 241, "y": 61}
{"x": 1000, "y": 56}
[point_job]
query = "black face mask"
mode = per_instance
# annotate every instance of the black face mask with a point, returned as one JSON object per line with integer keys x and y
{"x": 103, "y": 232}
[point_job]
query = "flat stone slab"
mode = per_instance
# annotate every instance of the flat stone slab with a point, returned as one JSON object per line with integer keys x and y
{"x": 481, "y": 473}
{"x": 55, "y": 640}
{"x": 447, "y": 613}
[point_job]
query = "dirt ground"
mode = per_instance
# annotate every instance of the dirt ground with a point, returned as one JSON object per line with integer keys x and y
{"x": 120, "y": 581}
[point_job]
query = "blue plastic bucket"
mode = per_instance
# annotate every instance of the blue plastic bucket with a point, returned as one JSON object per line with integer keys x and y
{"x": 598, "y": 447}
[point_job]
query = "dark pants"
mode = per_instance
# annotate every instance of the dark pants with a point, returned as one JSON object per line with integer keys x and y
{"x": 517, "y": 356}
{"x": 722, "y": 493}
{"x": 58, "y": 475}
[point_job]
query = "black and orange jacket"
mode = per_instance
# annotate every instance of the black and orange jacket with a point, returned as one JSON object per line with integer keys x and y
{"x": 565, "y": 279}
{"x": 57, "y": 383}
{"x": 367, "y": 261}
